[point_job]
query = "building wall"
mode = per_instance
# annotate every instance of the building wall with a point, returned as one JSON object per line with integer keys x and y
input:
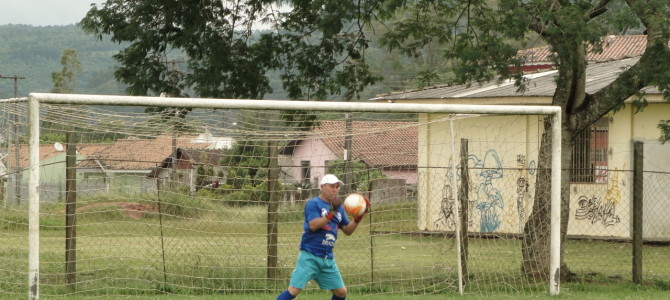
{"x": 317, "y": 154}
{"x": 409, "y": 175}
{"x": 501, "y": 197}
{"x": 502, "y": 161}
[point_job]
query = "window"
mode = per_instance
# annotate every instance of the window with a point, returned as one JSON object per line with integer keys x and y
{"x": 305, "y": 173}
{"x": 589, "y": 156}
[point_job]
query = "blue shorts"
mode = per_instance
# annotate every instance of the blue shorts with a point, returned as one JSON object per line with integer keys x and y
{"x": 323, "y": 270}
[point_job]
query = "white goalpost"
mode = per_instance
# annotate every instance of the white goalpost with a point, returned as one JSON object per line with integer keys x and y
{"x": 380, "y": 240}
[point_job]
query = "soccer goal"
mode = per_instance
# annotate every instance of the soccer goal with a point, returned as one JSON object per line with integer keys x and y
{"x": 147, "y": 195}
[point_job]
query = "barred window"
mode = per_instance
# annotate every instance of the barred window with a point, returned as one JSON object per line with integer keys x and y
{"x": 305, "y": 171}
{"x": 589, "y": 156}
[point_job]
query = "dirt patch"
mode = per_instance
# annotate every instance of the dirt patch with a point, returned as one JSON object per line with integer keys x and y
{"x": 132, "y": 210}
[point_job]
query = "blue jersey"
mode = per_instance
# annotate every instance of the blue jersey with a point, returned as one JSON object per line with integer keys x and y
{"x": 321, "y": 241}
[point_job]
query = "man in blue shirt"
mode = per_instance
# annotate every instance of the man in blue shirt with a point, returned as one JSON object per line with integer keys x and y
{"x": 324, "y": 217}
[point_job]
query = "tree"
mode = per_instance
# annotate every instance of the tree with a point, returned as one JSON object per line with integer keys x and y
{"x": 319, "y": 48}
{"x": 65, "y": 81}
{"x": 482, "y": 39}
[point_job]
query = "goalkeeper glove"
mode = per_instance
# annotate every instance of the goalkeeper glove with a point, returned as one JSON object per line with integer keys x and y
{"x": 334, "y": 208}
{"x": 358, "y": 219}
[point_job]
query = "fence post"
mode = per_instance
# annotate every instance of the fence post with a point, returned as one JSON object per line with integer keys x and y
{"x": 273, "y": 210}
{"x": 638, "y": 184}
{"x": 463, "y": 197}
{"x": 70, "y": 211}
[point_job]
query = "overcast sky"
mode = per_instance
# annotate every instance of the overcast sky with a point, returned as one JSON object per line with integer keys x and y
{"x": 43, "y": 12}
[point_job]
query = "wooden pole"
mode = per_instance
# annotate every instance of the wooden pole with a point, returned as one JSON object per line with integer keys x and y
{"x": 638, "y": 199}
{"x": 70, "y": 211}
{"x": 463, "y": 197}
{"x": 273, "y": 211}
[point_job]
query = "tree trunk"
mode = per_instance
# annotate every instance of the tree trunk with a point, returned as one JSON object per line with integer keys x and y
{"x": 536, "y": 238}
{"x": 570, "y": 95}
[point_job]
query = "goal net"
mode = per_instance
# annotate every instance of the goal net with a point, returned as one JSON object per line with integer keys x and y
{"x": 123, "y": 196}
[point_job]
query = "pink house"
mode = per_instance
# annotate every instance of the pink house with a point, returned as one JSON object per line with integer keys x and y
{"x": 387, "y": 146}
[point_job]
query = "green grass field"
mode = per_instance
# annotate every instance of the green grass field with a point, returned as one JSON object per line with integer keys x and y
{"x": 569, "y": 291}
{"x": 219, "y": 253}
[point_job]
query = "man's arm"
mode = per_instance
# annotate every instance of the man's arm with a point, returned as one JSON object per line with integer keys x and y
{"x": 350, "y": 228}
{"x": 317, "y": 223}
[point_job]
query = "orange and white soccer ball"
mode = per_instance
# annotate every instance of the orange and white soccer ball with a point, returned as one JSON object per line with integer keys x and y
{"x": 355, "y": 204}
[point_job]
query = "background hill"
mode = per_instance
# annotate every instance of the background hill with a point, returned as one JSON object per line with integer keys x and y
{"x": 34, "y": 52}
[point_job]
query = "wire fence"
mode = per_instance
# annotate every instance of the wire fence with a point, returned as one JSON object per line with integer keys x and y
{"x": 155, "y": 212}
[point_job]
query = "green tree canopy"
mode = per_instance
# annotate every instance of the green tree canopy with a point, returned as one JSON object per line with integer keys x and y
{"x": 65, "y": 81}
{"x": 319, "y": 48}
{"x": 481, "y": 39}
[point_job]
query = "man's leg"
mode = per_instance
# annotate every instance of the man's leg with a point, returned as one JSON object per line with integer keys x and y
{"x": 289, "y": 293}
{"x": 339, "y": 294}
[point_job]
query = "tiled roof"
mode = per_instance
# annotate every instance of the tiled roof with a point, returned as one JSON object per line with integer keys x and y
{"x": 539, "y": 89}
{"x": 47, "y": 151}
{"x": 203, "y": 156}
{"x": 377, "y": 143}
{"x": 615, "y": 47}
{"x": 137, "y": 154}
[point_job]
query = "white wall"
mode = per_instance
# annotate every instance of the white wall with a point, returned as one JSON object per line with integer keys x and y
{"x": 500, "y": 202}
{"x": 504, "y": 148}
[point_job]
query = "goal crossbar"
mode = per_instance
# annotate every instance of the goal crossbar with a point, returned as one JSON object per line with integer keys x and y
{"x": 35, "y": 99}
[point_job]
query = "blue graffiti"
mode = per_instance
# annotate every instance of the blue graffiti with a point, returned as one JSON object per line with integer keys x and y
{"x": 490, "y": 199}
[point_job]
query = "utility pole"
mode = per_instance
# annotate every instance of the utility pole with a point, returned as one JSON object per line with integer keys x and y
{"x": 15, "y": 137}
{"x": 173, "y": 70}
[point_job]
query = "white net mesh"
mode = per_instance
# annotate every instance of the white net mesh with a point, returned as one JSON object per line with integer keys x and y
{"x": 181, "y": 202}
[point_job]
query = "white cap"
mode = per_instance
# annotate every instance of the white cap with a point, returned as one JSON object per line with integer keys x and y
{"x": 330, "y": 179}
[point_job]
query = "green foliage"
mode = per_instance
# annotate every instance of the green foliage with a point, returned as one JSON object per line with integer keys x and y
{"x": 178, "y": 203}
{"x": 34, "y": 53}
{"x": 319, "y": 49}
{"x": 362, "y": 174}
{"x": 247, "y": 172}
{"x": 664, "y": 126}
{"x": 65, "y": 81}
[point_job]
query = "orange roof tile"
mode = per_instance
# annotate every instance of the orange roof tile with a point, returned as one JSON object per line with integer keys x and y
{"x": 615, "y": 47}
{"x": 137, "y": 154}
{"x": 47, "y": 151}
{"x": 377, "y": 143}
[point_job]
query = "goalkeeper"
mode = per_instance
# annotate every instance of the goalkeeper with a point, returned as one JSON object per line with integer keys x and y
{"x": 324, "y": 217}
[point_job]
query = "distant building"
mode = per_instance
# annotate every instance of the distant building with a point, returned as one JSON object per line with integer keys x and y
{"x": 390, "y": 147}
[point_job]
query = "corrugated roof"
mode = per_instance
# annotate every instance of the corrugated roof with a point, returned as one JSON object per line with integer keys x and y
{"x": 377, "y": 143}
{"x": 540, "y": 84}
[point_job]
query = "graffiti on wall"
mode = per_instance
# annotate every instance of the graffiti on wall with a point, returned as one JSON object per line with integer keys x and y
{"x": 596, "y": 210}
{"x": 521, "y": 190}
{"x": 486, "y": 198}
{"x": 601, "y": 209}
{"x": 489, "y": 200}
{"x": 446, "y": 207}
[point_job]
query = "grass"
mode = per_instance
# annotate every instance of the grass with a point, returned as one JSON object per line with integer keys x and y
{"x": 221, "y": 251}
{"x": 568, "y": 291}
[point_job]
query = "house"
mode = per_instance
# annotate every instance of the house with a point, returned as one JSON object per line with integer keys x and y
{"x": 123, "y": 166}
{"x": 195, "y": 168}
{"x": 390, "y": 147}
{"x": 503, "y": 154}
{"x": 52, "y": 170}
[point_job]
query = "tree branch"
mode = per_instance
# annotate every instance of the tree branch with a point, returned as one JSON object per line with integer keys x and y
{"x": 597, "y": 10}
